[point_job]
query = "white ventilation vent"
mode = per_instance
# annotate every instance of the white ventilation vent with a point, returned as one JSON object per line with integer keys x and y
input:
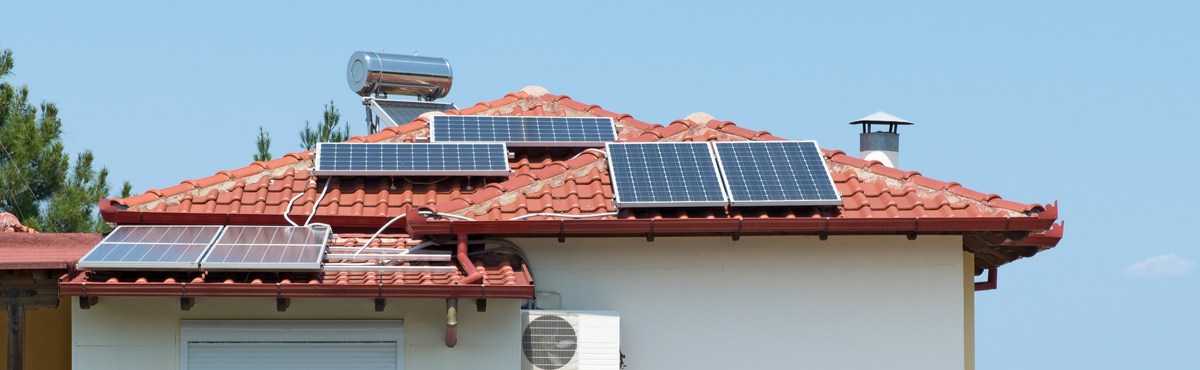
{"x": 563, "y": 340}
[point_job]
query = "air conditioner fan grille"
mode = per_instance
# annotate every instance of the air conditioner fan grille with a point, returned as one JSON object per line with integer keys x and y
{"x": 549, "y": 342}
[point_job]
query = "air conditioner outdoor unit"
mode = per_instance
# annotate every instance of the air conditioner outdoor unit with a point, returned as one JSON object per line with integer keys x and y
{"x": 570, "y": 340}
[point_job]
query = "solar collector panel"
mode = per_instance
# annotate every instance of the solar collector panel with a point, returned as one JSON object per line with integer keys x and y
{"x": 269, "y": 248}
{"x": 776, "y": 173}
{"x": 412, "y": 159}
{"x": 665, "y": 174}
{"x": 521, "y": 131}
{"x": 143, "y": 247}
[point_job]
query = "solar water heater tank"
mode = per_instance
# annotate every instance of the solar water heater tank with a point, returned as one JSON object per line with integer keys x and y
{"x": 372, "y": 73}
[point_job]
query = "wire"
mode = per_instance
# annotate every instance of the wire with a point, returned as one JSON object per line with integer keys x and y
{"x": 318, "y": 203}
{"x": 522, "y": 217}
{"x": 385, "y": 226}
{"x": 288, "y": 210}
{"x": 447, "y": 215}
{"x": 426, "y": 183}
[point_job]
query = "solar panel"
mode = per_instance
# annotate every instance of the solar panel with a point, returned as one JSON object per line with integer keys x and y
{"x": 525, "y": 131}
{"x": 412, "y": 159}
{"x": 665, "y": 174}
{"x": 399, "y": 112}
{"x": 137, "y": 247}
{"x": 271, "y": 248}
{"x": 776, "y": 173}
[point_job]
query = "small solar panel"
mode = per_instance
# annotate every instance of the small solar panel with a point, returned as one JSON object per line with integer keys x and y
{"x": 138, "y": 247}
{"x": 271, "y": 248}
{"x": 519, "y": 131}
{"x": 399, "y": 112}
{"x": 665, "y": 174}
{"x": 776, "y": 173}
{"x": 412, "y": 159}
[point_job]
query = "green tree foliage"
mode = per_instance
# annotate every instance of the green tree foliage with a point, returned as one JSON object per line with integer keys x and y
{"x": 37, "y": 183}
{"x": 264, "y": 145}
{"x": 327, "y": 131}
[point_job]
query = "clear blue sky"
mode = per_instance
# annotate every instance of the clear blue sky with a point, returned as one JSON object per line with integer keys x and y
{"x": 1090, "y": 103}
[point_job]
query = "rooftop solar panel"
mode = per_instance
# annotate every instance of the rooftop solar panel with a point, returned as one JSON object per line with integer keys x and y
{"x": 399, "y": 112}
{"x": 518, "y": 131}
{"x": 140, "y": 247}
{"x": 271, "y": 248}
{"x": 776, "y": 173}
{"x": 412, "y": 159}
{"x": 665, "y": 174}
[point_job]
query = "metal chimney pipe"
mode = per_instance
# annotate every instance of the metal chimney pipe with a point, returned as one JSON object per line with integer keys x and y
{"x": 882, "y": 146}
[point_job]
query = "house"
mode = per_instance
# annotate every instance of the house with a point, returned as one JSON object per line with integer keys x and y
{"x": 38, "y": 334}
{"x": 885, "y": 280}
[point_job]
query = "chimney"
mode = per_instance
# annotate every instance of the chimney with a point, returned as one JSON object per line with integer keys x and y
{"x": 882, "y": 146}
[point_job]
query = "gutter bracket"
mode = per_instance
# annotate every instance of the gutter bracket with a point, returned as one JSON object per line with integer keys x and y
{"x": 562, "y": 231}
{"x": 650, "y": 234}
{"x": 912, "y": 235}
{"x": 824, "y": 234}
{"x": 737, "y": 235}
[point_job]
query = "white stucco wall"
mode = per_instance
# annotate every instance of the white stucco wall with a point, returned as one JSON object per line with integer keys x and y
{"x": 768, "y": 302}
{"x": 143, "y": 333}
{"x": 685, "y": 303}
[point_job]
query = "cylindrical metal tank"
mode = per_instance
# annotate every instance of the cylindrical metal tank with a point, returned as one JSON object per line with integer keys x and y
{"x": 371, "y": 73}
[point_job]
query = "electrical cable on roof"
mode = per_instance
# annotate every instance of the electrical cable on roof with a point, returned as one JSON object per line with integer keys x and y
{"x": 288, "y": 210}
{"x": 385, "y": 226}
{"x": 318, "y": 203}
{"x": 425, "y": 183}
{"x": 563, "y": 215}
{"x": 446, "y": 215}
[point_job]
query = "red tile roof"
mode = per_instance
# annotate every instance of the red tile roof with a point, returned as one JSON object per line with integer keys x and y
{"x": 37, "y": 251}
{"x": 876, "y": 198}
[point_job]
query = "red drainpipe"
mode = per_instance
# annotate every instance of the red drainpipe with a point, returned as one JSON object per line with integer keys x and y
{"x": 473, "y": 274}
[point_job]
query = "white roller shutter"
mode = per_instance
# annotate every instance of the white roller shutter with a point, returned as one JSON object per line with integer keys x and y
{"x": 292, "y": 355}
{"x": 293, "y": 345}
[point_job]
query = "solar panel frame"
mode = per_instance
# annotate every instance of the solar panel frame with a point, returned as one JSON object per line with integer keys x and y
{"x": 497, "y": 166}
{"x": 522, "y": 137}
{"x": 724, "y": 152}
{"x": 239, "y": 244}
{"x": 619, "y": 192}
{"x": 388, "y": 114}
{"x": 97, "y": 258}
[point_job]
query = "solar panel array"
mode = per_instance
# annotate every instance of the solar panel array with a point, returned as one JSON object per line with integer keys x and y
{"x": 399, "y": 112}
{"x": 271, "y": 248}
{"x": 775, "y": 173}
{"x": 665, "y": 174}
{"x": 751, "y": 173}
{"x": 525, "y": 131}
{"x": 151, "y": 247}
{"x": 411, "y": 159}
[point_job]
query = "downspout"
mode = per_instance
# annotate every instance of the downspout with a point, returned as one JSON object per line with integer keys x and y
{"x": 473, "y": 274}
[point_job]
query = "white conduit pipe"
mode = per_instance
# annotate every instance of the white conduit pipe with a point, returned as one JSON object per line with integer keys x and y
{"x": 522, "y": 217}
{"x": 318, "y": 203}
{"x": 376, "y": 235}
{"x": 289, "y": 209}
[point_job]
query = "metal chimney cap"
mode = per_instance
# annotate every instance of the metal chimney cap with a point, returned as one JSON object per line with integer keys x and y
{"x": 881, "y": 117}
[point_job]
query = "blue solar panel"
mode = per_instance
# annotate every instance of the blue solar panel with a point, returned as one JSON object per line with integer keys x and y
{"x": 664, "y": 174}
{"x": 411, "y": 159}
{"x": 271, "y": 248}
{"x": 525, "y": 131}
{"x": 151, "y": 248}
{"x": 776, "y": 173}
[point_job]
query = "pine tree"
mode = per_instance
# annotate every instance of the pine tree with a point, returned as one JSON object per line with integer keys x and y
{"x": 264, "y": 145}
{"x": 37, "y": 182}
{"x": 327, "y": 131}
